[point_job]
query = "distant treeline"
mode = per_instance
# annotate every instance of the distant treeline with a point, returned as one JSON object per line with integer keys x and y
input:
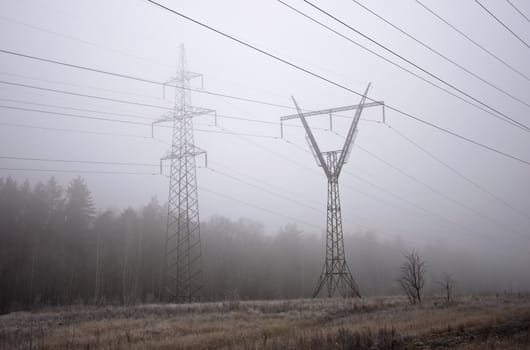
{"x": 55, "y": 250}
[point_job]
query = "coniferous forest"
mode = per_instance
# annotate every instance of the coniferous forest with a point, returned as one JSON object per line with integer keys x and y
{"x": 57, "y": 249}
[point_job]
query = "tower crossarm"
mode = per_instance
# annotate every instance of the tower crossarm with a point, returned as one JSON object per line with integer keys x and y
{"x": 332, "y": 110}
{"x": 195, "y": 151}
{"x": 187, "y": 76}
{"x": 191, "y": 112}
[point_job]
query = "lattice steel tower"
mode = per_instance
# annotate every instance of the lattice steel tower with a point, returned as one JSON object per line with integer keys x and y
{"x": 182, "y": 256}
{"x": 336, "y": 275}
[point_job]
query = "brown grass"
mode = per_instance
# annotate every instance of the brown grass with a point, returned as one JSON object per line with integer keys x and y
{"x": 370, "y": 323}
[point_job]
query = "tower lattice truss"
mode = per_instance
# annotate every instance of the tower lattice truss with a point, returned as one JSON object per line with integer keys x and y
{"x": 336, "y": 277}
{"x": 182, "y": 278}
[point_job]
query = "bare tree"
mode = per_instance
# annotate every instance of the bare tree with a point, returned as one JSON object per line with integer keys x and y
{"x": 412, "y": 278}
{"x": 448, "y": 284}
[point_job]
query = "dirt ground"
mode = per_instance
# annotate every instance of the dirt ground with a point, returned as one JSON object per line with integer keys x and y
{"x": 472, "y": 322}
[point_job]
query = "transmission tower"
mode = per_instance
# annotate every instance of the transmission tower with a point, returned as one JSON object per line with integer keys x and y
{"x": 336, "y": 275}
{"x": 182, "y": 255}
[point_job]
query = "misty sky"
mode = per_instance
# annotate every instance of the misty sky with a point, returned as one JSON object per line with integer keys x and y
{"x": 136, "y": 38}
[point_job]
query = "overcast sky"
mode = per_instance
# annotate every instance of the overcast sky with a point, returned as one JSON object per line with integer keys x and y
{"x": 422, "y": 201}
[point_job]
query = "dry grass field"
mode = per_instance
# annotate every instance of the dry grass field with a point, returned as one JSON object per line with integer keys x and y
{"x": 493, "y": 322}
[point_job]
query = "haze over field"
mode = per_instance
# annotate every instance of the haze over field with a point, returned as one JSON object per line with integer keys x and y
{"x": 458, "y": 189}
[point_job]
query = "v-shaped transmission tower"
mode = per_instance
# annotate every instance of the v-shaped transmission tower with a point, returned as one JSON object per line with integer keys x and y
{"x": 182, "y": 255}
{"x": 336, "y": 276}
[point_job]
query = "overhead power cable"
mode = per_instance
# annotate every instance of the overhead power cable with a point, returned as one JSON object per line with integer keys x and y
{"x": 222, "y": 173}
{"x": 280, "y": 195}
{"x": 134, "y": 116}
{"x": 83, "y": 41}
{"x": 473, "y": 41}
{"x": 439, "y": 54}
{"x": 79, "y": 171}
{"x": 458, "y": 173}
{"x": 117, "y": 163}
{"x": 406, "y": 114}
{"x": 443, "y": 81}
{"x": 79, "y": 131}
{"x": 502, "y": 23}
{"x": 84, "y": 95}
{"x": 77, "y": 161}
{"x": 234, "y": 199}
{"x": 392, "y": 194}
{"x": 412, "y": 204}
{"x": 441, "y": 88}
{"x": 280, "y": 192}
{"x": 518, "y": 10}
{"x": 129, "y": 122}
{"x": 144, "y": 80}
{"x": 439, "y": 193}
{"x": 120, "y": 75}
{"x": 124, "y": 102}
{"x": 311, "y": 171}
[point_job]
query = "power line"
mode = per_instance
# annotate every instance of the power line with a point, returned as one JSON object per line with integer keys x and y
{"x": 81, "y": 171}
{"x": 435, "y": 191}
{"x": 375, "y": 198}
{"x": 202, "y": 188}
{"x": 404, "y": 200}
{"x": 145, "y": 59}
{"x": 508, "y": 118}
{"x": 473, "y": 41}
{"x": 439, "y": 128}
{"x": 82, "y": 161}
{"x": 222, "y": 173}
{"x": 130, "y": 122}
{"x": 152, "y": 164}
{"x": 406, "y": 114}
{"x": 290, "y": 161}
{"x": 164, "y": 107}
{"x": 141, "y": 164}
{"x": 106, "y": 119}
{"x": 431, "y": 188}
{"x": 502, "y": 23}
{"x": 438, "y": 53}
{"x": 77, "y": 161}
{"x": 441, "y": 88}
{"x": 412, "y": 204}
{"x": 52, "y": 81}
{"x": 76, "y": 109}
{"x": 74, "y": 115}
{"x": 121, "y": 101}
{"x": 144, "y": 80}
{"x": 84, "y": 95}
{"x": 47, "y": 128}
{"x": 458, "y": 173}
{"x": 120, "y": 75}
{"x": 518, "y": 10}
{"x": 86, "y": 42}
{"x": 389, "y": 192}
{"x": 295, "y": 201}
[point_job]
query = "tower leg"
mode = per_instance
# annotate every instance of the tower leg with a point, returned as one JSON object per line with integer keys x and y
{"x": 336, "y": 274}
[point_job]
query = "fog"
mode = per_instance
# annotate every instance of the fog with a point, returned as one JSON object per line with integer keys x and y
{"x": 467, "y": 201}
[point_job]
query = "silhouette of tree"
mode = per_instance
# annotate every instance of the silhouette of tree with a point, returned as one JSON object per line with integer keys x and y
{"x": 412, "y": 278}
